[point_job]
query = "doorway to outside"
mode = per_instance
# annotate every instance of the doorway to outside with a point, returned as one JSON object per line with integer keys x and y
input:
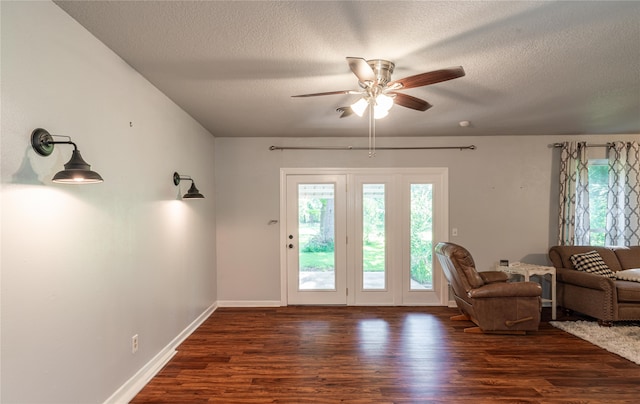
{"x": 363, "y": 236}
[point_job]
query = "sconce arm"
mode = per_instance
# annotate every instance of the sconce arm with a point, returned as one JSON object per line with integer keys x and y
{"x": 177, "y": 177}
{"x": 43, "y": 143}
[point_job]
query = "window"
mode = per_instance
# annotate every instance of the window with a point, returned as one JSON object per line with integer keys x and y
{"x": 598, "y": 188}
{"x": 599, "y": 199}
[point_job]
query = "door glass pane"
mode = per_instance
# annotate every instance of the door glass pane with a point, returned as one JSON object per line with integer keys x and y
{"x": 316, "y": 232}
{"x": 373, "y": 237}
{"x": 421, "y": 236}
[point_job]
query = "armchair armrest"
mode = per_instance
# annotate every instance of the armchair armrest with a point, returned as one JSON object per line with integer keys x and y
{"x": 584, "y": 279}
{"x": 494, "y": 276}
{"x": 516, "y": 289}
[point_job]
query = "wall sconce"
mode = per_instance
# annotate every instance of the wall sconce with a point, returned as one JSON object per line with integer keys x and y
{"x": 193, "y": 192}
{"x": 76, "y": 171}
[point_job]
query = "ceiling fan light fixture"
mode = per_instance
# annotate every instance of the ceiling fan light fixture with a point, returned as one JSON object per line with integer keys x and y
{"x": 378, "y": 91}
{"x": 379, "y": 113}
{"x": 381, "y": 108}
{"x": 384, "y": 102}
{"x": 360, "y": 106}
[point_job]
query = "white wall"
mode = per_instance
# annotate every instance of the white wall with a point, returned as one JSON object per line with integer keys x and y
{"x": 503, "y": 198}
{"x": 84, "y": 268}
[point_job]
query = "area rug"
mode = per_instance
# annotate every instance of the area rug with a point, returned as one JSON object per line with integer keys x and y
{"x": 620, "y": 339}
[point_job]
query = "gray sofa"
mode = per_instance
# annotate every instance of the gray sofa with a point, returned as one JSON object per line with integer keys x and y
{"x": 606, "y": 299}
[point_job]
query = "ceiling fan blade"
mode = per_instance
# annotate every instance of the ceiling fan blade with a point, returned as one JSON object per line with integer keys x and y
{"x": 425, "y": 79}
{"x": 346, "y": 111}
{"x": 410, "y": 101}
{"x": 328, "y": 93}
{"x": 361, "y": 69}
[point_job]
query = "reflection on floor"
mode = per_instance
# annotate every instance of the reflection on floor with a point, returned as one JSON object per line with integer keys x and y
{"x": 325, "y": 280}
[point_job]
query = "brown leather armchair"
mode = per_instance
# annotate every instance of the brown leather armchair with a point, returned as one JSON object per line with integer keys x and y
{"x": 486, "y": 298}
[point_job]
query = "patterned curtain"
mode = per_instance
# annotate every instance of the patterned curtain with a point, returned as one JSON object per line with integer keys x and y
{"x": 623, "y": 206}
{"x": 573, "y": 225}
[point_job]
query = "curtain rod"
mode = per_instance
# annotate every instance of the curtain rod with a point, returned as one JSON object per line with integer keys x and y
{"x": 608, "y": 144}
{"x": 472, "y": 147}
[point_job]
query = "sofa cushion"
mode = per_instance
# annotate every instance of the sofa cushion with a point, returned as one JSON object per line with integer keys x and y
{"x": 591, "y": 262}
{"x": 628, "y": 292}
{"x": 629, "y": 257}
{"x": 561, "y": 256}
{"x": 629, "y": 275}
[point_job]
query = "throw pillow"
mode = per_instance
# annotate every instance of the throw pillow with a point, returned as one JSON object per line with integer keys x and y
{"x": 591, "y": 262}
{"x": 629, "y": 275}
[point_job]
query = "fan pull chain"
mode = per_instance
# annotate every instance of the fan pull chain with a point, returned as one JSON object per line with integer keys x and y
{"x": 372, "y": 132}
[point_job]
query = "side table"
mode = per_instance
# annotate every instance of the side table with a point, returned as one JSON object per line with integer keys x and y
{"x": 528, "y": 270}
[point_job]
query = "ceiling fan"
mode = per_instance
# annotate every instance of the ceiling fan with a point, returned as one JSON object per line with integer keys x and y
{"x": 379, "y": 92}
{"x": 377, "y": 88}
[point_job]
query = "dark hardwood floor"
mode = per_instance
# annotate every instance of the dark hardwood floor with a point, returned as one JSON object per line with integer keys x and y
{"x": 330, "y": 354}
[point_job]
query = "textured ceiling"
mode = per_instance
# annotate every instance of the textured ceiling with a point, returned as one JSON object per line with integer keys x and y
{"x": 532, "y": 67}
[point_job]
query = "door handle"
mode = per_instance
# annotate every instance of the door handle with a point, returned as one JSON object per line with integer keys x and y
{"x": 290, "y": 245}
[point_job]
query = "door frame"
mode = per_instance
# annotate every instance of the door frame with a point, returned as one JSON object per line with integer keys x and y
{"x": 440, "y": 231}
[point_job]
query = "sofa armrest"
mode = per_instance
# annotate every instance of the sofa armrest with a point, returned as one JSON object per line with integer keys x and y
{"x": 503, "y": 289}
{"x": 494, "y": 276}
{"x": 584, "y": 279}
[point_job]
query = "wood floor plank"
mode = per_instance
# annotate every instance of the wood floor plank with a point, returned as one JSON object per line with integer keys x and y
{"x": 313, "y": 354}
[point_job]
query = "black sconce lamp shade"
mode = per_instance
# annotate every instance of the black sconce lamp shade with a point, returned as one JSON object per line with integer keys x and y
{"x": 76, "y": 171}
{"x": 193, "y": 192}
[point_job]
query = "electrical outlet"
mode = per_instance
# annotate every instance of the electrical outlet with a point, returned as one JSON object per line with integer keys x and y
{"x": 134, "y": 344}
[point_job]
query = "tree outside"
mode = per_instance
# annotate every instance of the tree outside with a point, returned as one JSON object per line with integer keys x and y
{"x": 598, "y": 191}
{"x": 421, "y": 234}
{"x": 316, "y": 228}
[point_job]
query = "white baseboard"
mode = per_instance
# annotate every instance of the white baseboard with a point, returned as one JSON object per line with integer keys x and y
{"x": 249, "y": 303}
{"x": 131, "y": 387}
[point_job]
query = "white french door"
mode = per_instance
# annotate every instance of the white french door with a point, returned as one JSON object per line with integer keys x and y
{"x": 316, "y": 239}
{"x": 374, "y": 216}
{"x": 363, "y": 236}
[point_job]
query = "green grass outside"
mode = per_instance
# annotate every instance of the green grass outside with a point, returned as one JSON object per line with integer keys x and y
{"x": 373, "y": 257}
{"x": 324, "y": 261}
